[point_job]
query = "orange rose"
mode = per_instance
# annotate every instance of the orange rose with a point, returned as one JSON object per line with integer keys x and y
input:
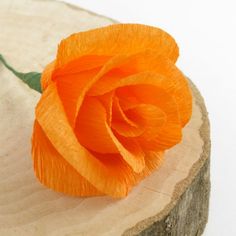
{"x": 113, "y": 101}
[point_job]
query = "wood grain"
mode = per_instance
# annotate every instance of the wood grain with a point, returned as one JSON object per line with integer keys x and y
{"x": 30, "y": 33}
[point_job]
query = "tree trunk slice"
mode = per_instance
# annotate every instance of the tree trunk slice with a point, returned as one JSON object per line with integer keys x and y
{"x": 172, "y": 201}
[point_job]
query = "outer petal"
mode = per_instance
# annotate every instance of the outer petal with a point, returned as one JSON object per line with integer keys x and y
{"x": 86, "y": 62}
{"x": 116, "y": 39}
{"x": 179, "y": 86}
{"x": 109, "y": 178}
{"x": 52, "y": 169}
{"x": 153, "y": 161}
{"x": 73, "y": 78}
{"x": 72, "y": 87}
{"x": 46, "y": 77}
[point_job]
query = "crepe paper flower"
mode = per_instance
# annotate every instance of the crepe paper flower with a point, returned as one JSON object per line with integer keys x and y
{"x": 112, "y": 102}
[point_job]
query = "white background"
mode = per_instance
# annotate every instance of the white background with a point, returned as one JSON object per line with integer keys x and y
{"x": 206, "y": 34}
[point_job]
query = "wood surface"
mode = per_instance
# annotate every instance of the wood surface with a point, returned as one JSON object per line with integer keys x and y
{"x": 172, "y": 201}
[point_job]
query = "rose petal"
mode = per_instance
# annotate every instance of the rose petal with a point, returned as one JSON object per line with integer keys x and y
{"x": 169, "y": 136}
{"x": 91, "y": 127}
{"x": 150, "y": 117}
{"x": 46, "y": 77}
{"x": 107, "y": 102}
{"x": 116, "y": 39}
{"x": 153, "y": 160}
{"x": 122, "y": 124}
{"x": 87, "y": 62}
{"x": 131, "y": 152}
{"x": 111, "y": 83}
{"x": 70, "y": 88}
{"x": 54, "y": 171}
{"x": 94, "y": 133}
{"x": 170, "y": 133}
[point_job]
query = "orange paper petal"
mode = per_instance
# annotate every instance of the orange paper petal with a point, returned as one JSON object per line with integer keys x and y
{"x": 92, "y": 128}
{"x": 122, "y": 124}
{"x": 46, "y": 77}
{"x": 150, "y": 117}
{"x": 116, "y": 39}
{"x": 49, "y": 166}
{"x": 170, "y": 132}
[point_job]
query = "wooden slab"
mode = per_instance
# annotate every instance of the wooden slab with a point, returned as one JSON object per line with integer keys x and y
{"x": 172, "y": 201}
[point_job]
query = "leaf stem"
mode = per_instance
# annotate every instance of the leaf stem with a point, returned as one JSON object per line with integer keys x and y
{"x": 16, "y": 73}
{"x": 32, "y": 79}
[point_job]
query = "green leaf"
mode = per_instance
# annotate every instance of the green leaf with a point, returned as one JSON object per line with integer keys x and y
{"x": 32, "y": 79}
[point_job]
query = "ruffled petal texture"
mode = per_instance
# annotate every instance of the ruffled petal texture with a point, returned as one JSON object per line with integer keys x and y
{"x": 116, "y": 39}
{"x": 113, "y": 101}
